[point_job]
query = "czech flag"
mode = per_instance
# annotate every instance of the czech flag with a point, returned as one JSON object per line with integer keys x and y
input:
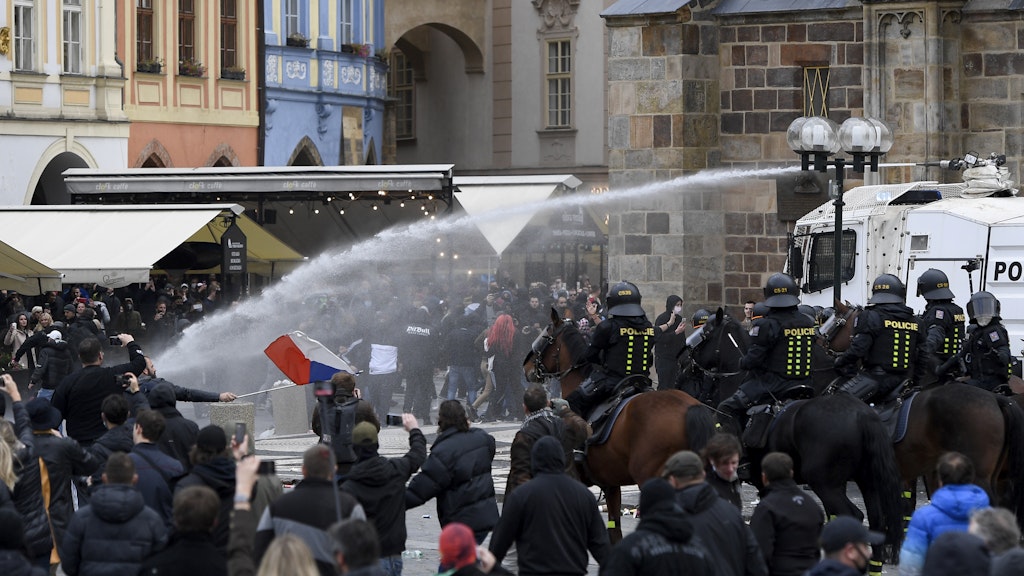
{"x": 304, "y": 360}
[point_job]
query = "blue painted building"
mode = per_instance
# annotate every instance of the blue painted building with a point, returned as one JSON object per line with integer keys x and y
{"x": 325, "y": 66}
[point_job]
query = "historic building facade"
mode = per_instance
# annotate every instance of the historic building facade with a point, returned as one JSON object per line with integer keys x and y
{"x": 326, "y": 71}
{"x": 60, "y": 96}
{"x": 501, "y": 88}
{"x": 190, "y": 82}
{"x": 695, "y": 85}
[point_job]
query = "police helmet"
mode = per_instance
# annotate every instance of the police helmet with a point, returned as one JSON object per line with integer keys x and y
{"x": 760, "y": 311}
{"x": 809, "y": 311}
{"x": 983, "y": 307}
{"x": 781, "y": 291}
{"x": 700, "y": 318}
{"x": 624, "y": 300}
{"x": 888, "y": 289}
{"x": 934, "y": 285}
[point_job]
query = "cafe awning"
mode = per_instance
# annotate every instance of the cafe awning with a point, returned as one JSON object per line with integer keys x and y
{"x": 25, "y": 275}
{"x": 114, "y": 246}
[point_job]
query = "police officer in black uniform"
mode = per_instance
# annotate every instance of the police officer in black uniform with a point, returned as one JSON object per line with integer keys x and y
{"x": 942, "y": 324}
{"x": 988, "y": 348}
{"x": 779, "y": 357}
{"x": 885, "y": 340}
{"x": 620, "y": 346}
{"x": 700, "y": 318}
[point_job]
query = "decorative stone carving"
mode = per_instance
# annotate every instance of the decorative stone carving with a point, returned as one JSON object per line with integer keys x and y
{"x": 272, "y": 68}
{"x": 556, "y": 13}
{"x": 323, "y": 112}
{"x": 903, "y": 19}
{"x": 268, "y": 115}
{"x": 328, "y": 73}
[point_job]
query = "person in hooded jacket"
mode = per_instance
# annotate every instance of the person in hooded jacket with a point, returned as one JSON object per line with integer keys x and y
{"x": 63, "y": 457}
{"x": 27, "y": 494}
{"x": 213, "y": 467}
{"x": 458, "y": 473}
{"x": 540, "y": 422}
{"x": 114, "y": 412}
{"x": 669, "y": 341}
{"x": 13, "y": 561}
{"x": 116, "y": 531}
{"x": 180, "y": 433}
{"x": 378, "y": 483}
{"x": 663, "y": 543}
{"x": 417, "y": 354}
{"x": 718, "y": 522}
{"x": 553, "y": 520}
{"x": 958, "y": 554}
{"x": 53, "y": 360}
{"x": 949, "y": 510}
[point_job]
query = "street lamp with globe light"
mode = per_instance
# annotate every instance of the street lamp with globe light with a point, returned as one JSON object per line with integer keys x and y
{"x": 816, "y": 138}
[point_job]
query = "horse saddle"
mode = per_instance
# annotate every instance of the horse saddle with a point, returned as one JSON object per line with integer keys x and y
{"x": 761, "y": 417}
{"x": 602, "y": 418}
{"x": 895, "y": 415}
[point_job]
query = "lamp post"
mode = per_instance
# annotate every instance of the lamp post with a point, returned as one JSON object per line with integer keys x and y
{"x": 816, "y": 138}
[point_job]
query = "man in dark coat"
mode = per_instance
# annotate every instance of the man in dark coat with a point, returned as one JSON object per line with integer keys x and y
{"x": 719, "y": 524}
{"x": 540, "y": 421}
{"x": 116, "y": 531}
{"x": 552, "y": 519}
{"x": 157, "y": 472}
{"x": 576, "y": 430}
{"x": 64, "y": 458}
{"x": 663, "y": 544}
{"x": 309, "y": 510}
{"x": 13, "y": 561}
{"x": 79, "y": 395}
{"x": 191, "y": 550}
{"x": 418, "y": 355}
{"x": 148, "y": 380}
{"x": 53, "y": 360}
{"x": 118, "y": 438}
{"x": 787, "y": 520}
{"x": 458, "y": 473}
{"x": 180, "y": 433}
{"x": 378, "y": 483}
{"x": 214, "y": 468}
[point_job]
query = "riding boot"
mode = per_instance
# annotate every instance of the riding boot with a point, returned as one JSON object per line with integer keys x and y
{"x": 731, "y": 412}
{"x": 583, "y": 399}
{"x": 862, "y": 386}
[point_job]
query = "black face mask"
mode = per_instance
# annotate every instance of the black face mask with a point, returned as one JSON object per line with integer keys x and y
{"x": 867, "y": 561}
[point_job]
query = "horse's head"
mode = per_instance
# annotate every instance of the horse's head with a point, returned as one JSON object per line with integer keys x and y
{"x": 719, "y": 343}
{"x": 837, "y": 332}
{"x": 557, "y": 351}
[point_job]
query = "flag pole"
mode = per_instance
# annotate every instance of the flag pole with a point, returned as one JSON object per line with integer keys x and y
{"x": 267, "y": 390}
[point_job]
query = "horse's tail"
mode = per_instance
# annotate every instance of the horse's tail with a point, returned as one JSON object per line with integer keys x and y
{"x": 700, "y": 426}
{"x": 1013, "y": 456}
{"x": 884, "y": 476}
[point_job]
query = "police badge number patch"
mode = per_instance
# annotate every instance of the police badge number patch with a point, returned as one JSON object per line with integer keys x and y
{"x": 993, "y": 336}
{"x": 754, "y": 331}
{"x": 940, "y": 314}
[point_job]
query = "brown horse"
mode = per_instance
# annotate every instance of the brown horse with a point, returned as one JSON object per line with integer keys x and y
{"x": 650, "y": 428}
{"x": 952, "y": 416}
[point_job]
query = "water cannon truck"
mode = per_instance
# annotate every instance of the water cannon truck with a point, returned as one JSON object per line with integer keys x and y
{"x": 972, "y": 231}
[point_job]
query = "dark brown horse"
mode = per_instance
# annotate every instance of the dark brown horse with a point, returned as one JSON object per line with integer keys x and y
{"x": 833, "y": 440}
{"x": 952, "y": 416}
{"x": 651, "y": 427}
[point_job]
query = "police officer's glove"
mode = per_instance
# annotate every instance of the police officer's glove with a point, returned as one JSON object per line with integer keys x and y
{"x": 844, "y": 368}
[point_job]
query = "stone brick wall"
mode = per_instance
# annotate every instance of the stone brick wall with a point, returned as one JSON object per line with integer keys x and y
{"x": 947, "y": 78}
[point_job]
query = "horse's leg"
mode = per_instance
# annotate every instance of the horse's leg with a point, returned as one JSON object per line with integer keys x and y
{"x": 613, "y": 497}
{"x": 834, "y": 500}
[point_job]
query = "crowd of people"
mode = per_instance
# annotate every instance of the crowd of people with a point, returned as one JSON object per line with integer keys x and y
{"x": 100, "y": 473}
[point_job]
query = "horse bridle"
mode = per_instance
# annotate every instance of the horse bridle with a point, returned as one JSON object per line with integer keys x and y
{"x": 718, "y": 352}
{"x": 831, "y": 327}
{"x": 540, "y": 346}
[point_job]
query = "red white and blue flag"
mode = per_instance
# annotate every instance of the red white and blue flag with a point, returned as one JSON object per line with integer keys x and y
{"x": 304, "y": 360}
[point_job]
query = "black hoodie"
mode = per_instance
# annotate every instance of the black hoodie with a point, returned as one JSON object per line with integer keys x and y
{"x": 219, "y": 475}
{"x": 663, "y": 544}
{"x": 180, "y": 433}
{"x": 721, "y": 528}
{"x": 378, "y": 483}
{"x": 549, "y": 517}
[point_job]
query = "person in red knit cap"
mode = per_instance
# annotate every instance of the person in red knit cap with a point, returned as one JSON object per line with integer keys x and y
{"x": 460, "y": 555}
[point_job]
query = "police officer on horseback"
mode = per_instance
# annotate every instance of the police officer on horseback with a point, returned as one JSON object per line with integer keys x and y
{"x": 988, "y": 348}
{"x": 942, "y": 324}
{"x": 779, "y": 356}
{"x": 885, "y": 341}
{"x": 619, "y": 347}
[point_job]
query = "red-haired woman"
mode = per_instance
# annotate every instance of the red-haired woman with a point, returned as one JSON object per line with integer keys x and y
{"x": 504, "y": 343}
